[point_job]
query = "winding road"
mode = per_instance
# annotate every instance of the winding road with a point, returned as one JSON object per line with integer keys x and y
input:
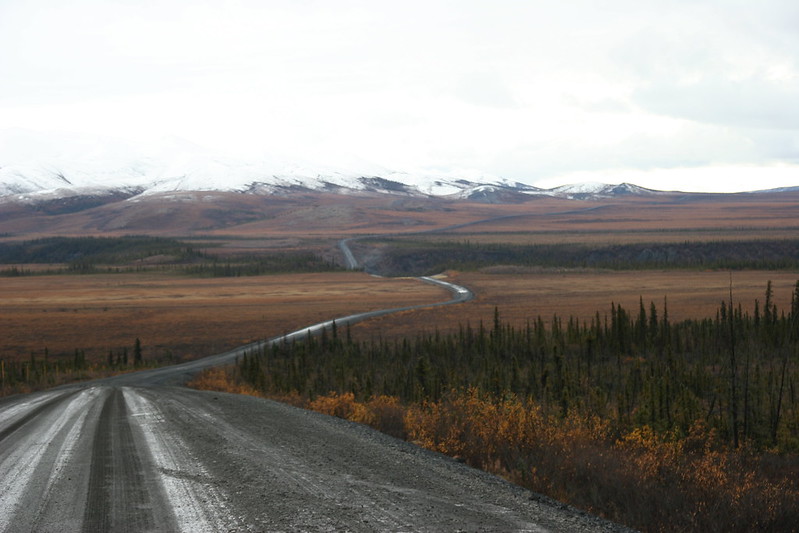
{"x": 138, "y": 452}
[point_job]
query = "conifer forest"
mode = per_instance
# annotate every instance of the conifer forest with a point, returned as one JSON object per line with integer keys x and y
{"x": 658, "y": 424}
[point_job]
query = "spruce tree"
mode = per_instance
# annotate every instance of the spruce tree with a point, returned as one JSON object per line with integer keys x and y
{"x": 137, "y": 356}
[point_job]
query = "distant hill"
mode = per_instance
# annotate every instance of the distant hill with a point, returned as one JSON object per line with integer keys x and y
{"x": 80, "y": 185}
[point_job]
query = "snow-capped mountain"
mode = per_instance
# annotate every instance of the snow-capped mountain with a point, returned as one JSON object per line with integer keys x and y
{"x": 594, "y": 190}
{"x": 35, "y": 167}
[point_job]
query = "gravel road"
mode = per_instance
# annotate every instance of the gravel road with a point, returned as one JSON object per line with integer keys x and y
{"x": 135, "y": 458}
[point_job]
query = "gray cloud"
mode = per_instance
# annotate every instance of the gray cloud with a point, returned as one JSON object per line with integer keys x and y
{"x": 516, "y": 88}
{"x": 750, "y": 103}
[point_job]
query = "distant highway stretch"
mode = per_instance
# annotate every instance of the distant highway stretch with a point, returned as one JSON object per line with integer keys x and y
{"x": 137, "y": 452}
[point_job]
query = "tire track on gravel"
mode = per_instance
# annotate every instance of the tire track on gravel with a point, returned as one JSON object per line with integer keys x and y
{"x": 196, "y": 503}
{"x": 28, "y": 457}
{"x": 121, "y": 495}
{"x": 298, "y": 475}
{"x": 35, "y": 408}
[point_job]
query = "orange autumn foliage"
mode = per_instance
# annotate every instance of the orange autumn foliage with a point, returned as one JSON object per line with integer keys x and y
{"x": 642, "y": 479}
{"x": 218, "y": 379}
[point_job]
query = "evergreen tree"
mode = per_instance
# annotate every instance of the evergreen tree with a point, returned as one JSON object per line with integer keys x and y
{"x": 137, "y": 355}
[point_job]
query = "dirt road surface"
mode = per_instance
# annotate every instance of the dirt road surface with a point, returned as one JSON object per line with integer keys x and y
{"x": 114, "y": 457}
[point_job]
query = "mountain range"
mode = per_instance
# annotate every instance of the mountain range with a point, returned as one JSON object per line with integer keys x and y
{"x": 81, "y": 185}
{"x": 35, "y": 167}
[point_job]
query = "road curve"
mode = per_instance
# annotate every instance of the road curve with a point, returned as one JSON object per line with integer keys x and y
{"x": 135, "y": 453}
{"x": 180, "y": 373}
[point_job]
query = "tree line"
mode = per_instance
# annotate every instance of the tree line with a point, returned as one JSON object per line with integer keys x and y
{"x": 89, "y": 255}
{"x": 419, "y": 257}
{"x": 260, "y": 264}
{"x": 45, "y": 370}
{"x": 96, "y": 250}
{"x": 736, "y": 372}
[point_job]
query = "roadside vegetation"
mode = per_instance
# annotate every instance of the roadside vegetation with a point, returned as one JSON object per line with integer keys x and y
{"x": 660, "y": 425}
{"x": 42, "y": 371}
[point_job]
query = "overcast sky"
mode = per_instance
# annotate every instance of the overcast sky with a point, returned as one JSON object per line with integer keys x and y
{"x": 690, "y": 95}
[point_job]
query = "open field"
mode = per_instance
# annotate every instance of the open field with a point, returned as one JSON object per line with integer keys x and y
{"x": 522, "y": 294}
{"x": 605, "y": 237}
{"x": 187, "y": 317}
{"x": 190, "y": 317}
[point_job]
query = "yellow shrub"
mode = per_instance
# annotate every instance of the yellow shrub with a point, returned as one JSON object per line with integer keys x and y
{"x": 218, "y": 379}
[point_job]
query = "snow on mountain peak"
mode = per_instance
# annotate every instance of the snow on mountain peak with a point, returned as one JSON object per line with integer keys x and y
{"x": 581, "y": 188}
{"x": 35, "y": 165}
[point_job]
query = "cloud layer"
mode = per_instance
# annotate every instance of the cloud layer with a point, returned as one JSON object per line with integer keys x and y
{"x": 536, "y": 91}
